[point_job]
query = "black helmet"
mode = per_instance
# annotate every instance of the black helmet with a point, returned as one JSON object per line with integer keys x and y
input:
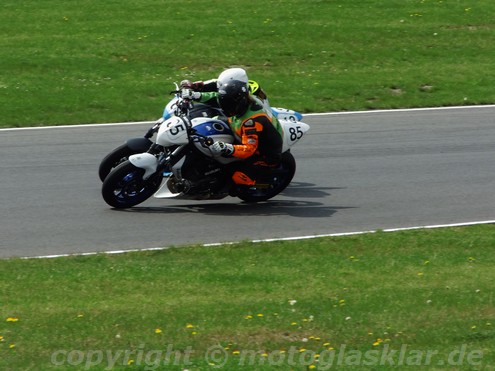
{"x": 233, "y": 97}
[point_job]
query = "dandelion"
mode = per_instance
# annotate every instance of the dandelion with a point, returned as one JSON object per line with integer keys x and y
{"x": 11, "y": 346}
{"x": 158, "y": 331}
{"x": 293, "y": 324}
{"x": 259, "y": 315}
{"x": 130, "y": 362}
{"x": 248, "y": 316}
{"x": 377, "y": 342}
{"x": 189, "y": 325}
{"x": 12, "y": 319}
{"x": 311, "y": 367}
{"x": 326, "y": 344}
{"x": 236, "y": 352}
{"x": 1, "y": 339}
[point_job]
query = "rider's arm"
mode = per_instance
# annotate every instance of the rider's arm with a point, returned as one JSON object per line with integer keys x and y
{"x": 209, "y": 98}
{"x": 250, "y": 131}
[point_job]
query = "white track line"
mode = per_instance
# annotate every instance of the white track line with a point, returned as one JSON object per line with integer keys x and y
{"x": 305, "y": 114}
{"x": 216, "y": 244}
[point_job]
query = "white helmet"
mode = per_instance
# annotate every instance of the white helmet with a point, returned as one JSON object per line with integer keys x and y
{"x": 232, "y": 74}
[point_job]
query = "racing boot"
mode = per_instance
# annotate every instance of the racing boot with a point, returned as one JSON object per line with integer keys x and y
{"x": 242, "y": 179}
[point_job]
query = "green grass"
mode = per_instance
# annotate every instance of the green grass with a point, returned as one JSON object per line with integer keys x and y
{"x": 109, "y": 61}
{"x": 421, "y": 291}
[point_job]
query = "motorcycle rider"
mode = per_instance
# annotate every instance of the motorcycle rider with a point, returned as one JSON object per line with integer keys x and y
{"x": 258, "y": 132}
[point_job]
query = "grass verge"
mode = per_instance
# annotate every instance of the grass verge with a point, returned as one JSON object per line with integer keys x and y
{"x": 115, "y": 61}
{"x": 358, "y": 300}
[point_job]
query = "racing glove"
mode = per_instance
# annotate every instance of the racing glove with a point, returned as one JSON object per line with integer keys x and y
{"x": 196, "y": 85}
{"x": 187, "y": 93}
{"x": 221, "y": 148}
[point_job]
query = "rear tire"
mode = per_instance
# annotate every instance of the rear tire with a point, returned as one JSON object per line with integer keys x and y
{"x": 278, "y": 180}
{"x": 125, "y": 187}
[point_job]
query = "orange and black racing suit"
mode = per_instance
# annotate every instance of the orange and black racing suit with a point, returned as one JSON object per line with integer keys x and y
{"x": 258, "y": 136}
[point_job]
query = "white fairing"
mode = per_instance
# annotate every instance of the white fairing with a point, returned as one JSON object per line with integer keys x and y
{"x": 145, "y": 161}
{"x": 217, "y": 130}
{"x": 293, "y": 132}
{"x": 172, "y": 132}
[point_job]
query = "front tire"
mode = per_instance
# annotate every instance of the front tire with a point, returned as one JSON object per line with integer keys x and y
{"x": 273, "y": 184}
{"x": 113, "y": 159}
{"x": 125, "y": 187}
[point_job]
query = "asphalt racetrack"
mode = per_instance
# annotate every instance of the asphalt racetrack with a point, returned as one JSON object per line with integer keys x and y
{"x": 356, "y": 171}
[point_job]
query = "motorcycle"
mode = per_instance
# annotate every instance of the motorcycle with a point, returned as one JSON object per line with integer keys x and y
{"x": 180, "y": 158}
{"x": 141, "y": 144}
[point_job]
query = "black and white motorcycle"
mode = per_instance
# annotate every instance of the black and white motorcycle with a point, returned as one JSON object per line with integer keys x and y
{"x": 180, "y": 164}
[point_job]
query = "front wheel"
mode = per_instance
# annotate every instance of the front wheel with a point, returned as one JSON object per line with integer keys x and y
{"x": 121, "y": 154}
{"x": 271, "y": 185}
{"x": 125, "y": 187}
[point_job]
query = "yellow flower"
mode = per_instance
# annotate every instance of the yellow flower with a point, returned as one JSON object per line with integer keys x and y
{"x": 130, "y": 362}
{"x": 12, "y": 319}
{"x": 312, "y": 367}
{"x": 260, "y": 314}
{"x": 158, "y": 331}
{"x": 248, "y": 316}
{"x": 12, "y": 346}
{"x": 236, "y": 352}
{"x": 377, "y": 342}
{"x": 189, "y": 325}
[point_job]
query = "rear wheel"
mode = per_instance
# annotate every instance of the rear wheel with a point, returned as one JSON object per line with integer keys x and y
{"x": 125, "y": 187}
{"x": 271, "y": 185}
